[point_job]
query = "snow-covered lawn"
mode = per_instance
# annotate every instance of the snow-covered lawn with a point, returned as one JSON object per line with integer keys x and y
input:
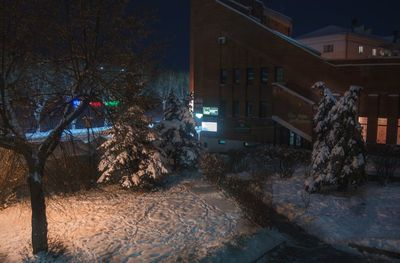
{"x": 187, "y": 221}
{"x": 370, "y": 217}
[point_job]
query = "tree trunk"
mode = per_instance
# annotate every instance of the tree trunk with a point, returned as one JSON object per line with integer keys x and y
{"x": 38, "y": 205}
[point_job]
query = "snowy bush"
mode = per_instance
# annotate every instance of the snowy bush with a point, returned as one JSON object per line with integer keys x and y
{"x": 214, "y": 167}
{"x": 178, "y": 133}
{"x": 338, "y": 155}
{"x": 285, "y": 160}
{"x": 385, "y": 159}
{"x": 130, "y": 154}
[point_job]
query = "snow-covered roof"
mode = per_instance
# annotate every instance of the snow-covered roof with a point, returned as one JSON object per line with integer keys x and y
{"x": 337, "y": 30}
{"x": 278, "y": 34}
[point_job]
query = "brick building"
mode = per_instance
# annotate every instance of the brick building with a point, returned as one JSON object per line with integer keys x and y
{"x": 252, "y": 81}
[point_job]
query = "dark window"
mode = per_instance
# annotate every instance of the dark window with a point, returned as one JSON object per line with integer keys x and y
{"x": 222, "y": 108}
{"x": 249, "y": 109}
{"x": 263, "y": 109}
{"x": 264, "y": 75}
{"x": 279, "y": 74}
{"x": 236, "y": 75}
{"x": 328, "y": 48}
{"x": 235, "y": 108}
{"x": 250, "y": 75}
{"x": 294, "y": 139}
{"x": 223, "y": 76}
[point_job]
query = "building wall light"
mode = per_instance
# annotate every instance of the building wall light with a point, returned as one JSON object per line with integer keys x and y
{"x": 209, "y": 126}
{"x": 199, "y": 115}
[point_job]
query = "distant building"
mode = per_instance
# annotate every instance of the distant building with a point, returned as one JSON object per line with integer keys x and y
{"x": 251, "y": 80}
{"x": 334, "y": 42}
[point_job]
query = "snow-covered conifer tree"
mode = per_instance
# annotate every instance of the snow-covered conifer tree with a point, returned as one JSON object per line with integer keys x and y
{"x": 179, "y": 134}
{"x": 322, "y": 147}
{"x": 347, "y": 159}
{"x": 130, "y": 154}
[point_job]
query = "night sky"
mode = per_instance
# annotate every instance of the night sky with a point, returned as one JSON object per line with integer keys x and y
{"x": 173, "y": 20}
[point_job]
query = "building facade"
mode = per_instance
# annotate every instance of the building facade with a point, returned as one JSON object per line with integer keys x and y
{"x": 335, "y": 42}
{"x": 252, "y": 81}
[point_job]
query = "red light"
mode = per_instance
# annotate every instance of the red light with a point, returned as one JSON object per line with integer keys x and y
{"x": 96, "y": 104}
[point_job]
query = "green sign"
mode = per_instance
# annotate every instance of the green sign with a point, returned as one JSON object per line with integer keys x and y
{"x": 210, "y": 111}
{"x": 113, "y": 103}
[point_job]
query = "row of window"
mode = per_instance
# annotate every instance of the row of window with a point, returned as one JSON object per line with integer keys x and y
{"x": 249, "y": 109}
{"x": 330, "y": 49}
{"x": 381, "y": 135}
{"x": 251, "y": 75}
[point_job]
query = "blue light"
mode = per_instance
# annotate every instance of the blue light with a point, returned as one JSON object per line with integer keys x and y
{"x": 76, "y": 103}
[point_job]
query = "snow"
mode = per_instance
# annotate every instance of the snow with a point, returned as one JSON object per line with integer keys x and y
{"x": 190, "y": 220}
{"x": 369, "y": 217}
{"x": 37, "y": 136}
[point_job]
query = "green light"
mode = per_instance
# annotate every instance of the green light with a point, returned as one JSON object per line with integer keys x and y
{"x": 113, "y": 103}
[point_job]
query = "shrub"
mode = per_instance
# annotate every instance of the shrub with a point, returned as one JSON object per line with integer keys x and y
{"x": 214, "y": 167}
{"x": 385, "y": 159}
{"x": 12, "y": 175}
{"x": 289, "y": 160}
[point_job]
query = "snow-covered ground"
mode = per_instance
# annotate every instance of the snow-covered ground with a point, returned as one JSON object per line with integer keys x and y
{"x": 370, "y": 217}
{"x": 190, "y": 220}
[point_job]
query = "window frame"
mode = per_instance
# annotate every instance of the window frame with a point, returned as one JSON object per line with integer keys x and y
{"x": 223, "y": 76}
{"x": 363, "y": 121}
{"x": 329, "y": 48}
{"x": 248, "y": 112}
{"x": 279, "y": 74}
{"x": 382, "y": 126}
{"x": 250, "y": 72}
{"x": 236, "y": 76}
{"x": 264, "y": 75}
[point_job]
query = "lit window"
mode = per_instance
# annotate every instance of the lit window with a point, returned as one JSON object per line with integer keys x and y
{"x": 382, "y": 131}
{"x": 374, "y": 52}
{"x": 210, "y": 111}
{"x": 398, "y": 132}
{"x": 328, "y": 48}
{"x": 360, "y": 49}
{"x": 209, "y": 126}
{"x": 278, "y": 74}
{"x": 250, "y": 75}
{"x": 364, "y": 126}
{"x": 264, "y": 75}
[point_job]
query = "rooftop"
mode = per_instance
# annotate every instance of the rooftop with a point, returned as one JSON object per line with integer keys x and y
{"x": 337, "y": 30}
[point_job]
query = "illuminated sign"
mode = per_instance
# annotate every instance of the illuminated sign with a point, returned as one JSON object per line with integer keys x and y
{"x": 113, "y": 103}
{"x": 95, "y": 104}
{"x": 210, "y": 111}
{"x": 209, "y": 126}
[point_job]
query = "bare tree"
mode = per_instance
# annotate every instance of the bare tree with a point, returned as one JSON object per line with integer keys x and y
{"x": 55, "y": 52}
{"x": 167, "y": 83}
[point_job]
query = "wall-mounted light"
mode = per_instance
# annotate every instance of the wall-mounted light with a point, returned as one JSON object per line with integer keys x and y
{"x": 199, "y": 115}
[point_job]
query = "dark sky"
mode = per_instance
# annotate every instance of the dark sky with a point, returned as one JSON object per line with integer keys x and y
{"x": 173, "y": 20}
